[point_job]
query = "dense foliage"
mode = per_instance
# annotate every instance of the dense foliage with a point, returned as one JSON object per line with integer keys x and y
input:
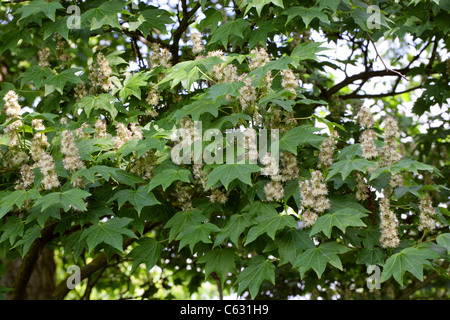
{"x": 117, "y": 152}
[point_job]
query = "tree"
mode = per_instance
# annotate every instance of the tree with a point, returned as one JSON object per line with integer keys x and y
{"x": 159, "y": 148}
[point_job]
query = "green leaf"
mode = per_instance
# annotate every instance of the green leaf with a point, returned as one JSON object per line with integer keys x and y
{"x": 65, "y": 200}
{"x": 307, "y": 51}
{"x": 132, "y": 85}
{"x": 38, "y": 6}
{"x": 226, "y": 173}
{"x": 307, "y": 15}
{"x": 110, "y": 232}
{"x": 260, "y": 208}
{"x": 12, "y": 229}
{"x": 298, "y": 136}
{"x": 28, "y": 238}
{"x": 211, "y": 20}
{"x": 139, "y": 198}
{"x": 58, "y": 82}
{"x": 342, "y": 219}
{"x": 105, "y": 14}
{"x": 235, "y": 226}
{"x": 183, "y": 219}
{"x": 371, "y": 256}
{"x": 409, "y": 259}
{"x": 291, "y": 243}
{"x": 100, "y": 102}
{"x": 270, "y": 223}
{"x": 442, "y": 240}
{"x": 126, "y": 178}
{"x": 258, "y": 269}
{"x": 332, "y": 4}
{"x": 141, "y": 147}
{"x": 201, "y": 105}
{"x": 90, "y": 173}
{"x": 318, "y": 258}
{"x": 345, "y": 167}
{"x": 148, "y": 252}
{"x": 411, "y": 166}
{"x": 154, "y": 18}
{"x": 196, "y": 233}
{"x": 235, "y": 28}
{"x": 16, "y": 198}
{"x": 35, "y": 74}
{"x": 167, "y": 177}
{"x": 260, "y": 4}
{"x": 223, "y": 89}
{"x": 220, "y": 261}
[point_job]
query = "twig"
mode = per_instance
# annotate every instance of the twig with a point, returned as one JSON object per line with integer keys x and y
{"x": 382, "y": 61}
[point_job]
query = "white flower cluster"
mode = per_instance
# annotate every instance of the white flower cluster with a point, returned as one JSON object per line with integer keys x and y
{"x": 289, "y": 81}
{"x": 260, "y": 58}
{"x": 361, "y": 188}
{"x": 38, "y": 124}
{"x": 124, "y": 134}
{"x": 222, "y": 72}
{"x": 80, "y": 132}
{"x": 365, "y": 118}
{"x": 247, "y": 93}
{"x": 144, "y": 165}
{"x": 426, "y": 213}
{"x": 72, "y": 160}
{"x": 44, "y": 161}
{"x": 159, "y": 57}
{"x": 61, "y": 53}
{"x": 388, "y": 225}
{"x": 389, "y": 153}
{"x": 43, "y": 55}
{"x": 289, "y": 170}
{"x": 327, "y": 150}
{"x": 80, "y": 91}
{"x": 197, "y": 46}
{"x": 26, "y": 177}
{"x": 100, "y": 74}
{"x": 218, "y": 196}
{"x": 183, "y": 196}
{"x": 13, "y": 110}
{"x": 314, "y": 200}
{"x": 274, "y": 189}
{"x": 367, "y": 139}
{"x": 100, "y": 129}
{"x": 153, "y": 101}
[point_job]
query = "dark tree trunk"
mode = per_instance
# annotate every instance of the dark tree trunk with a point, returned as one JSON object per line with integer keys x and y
{"x": 42, "y": 282}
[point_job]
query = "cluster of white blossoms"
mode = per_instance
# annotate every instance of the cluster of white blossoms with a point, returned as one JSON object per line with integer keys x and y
{"x": 367, "y": 139}
{"x": 281, "y": 122}
{"x": 43, "y": 56}
{"x": 159, "y": 57}
{"x": 61, "y": 53}
{"x": 426, "y": 213}
{"x": 361, "y": 187}
{"x": 314, "y": 200}
{"x": 44, "y": 161}
{"x": 197, "y": 45}
{"x": 218, "y": 196}
{"x": 368, "y": 136}
{"x": 223, "y": 72}
{"x": 388, "y": 225}
{"x": 100, "y": 74}
{"x": 72, "y": 160}
{"x": 26, "y": 178}
{"x": 247, "y": 93}
{"x": 327, "y": 150}
{"x": 81, "y": 133}
{"x": 260, "y": 58}
{"x": 274, "y": 189}
{"x": 13, "y": 110}
{"x": 289, "y": 81}
{"x": 153, "y": 100}
{"x": 38, "y": 124}
{"x": 144, "y": 165}
{"x": 389, "y": 153}
{"x": 183, "y": 196}
{"x": 100, "y": 129}
{"x": 123, "y": 134}
{"x": 80, "y": 91}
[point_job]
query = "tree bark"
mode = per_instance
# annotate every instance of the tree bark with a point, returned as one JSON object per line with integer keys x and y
{"x": 42, "y": 282}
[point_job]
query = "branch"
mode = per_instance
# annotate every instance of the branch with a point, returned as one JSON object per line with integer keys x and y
{"x": 28, "y": 263}
{"x": 382, "y": 61}
{"x": 98, "y": 263}
{"x": 375, "y": 96}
